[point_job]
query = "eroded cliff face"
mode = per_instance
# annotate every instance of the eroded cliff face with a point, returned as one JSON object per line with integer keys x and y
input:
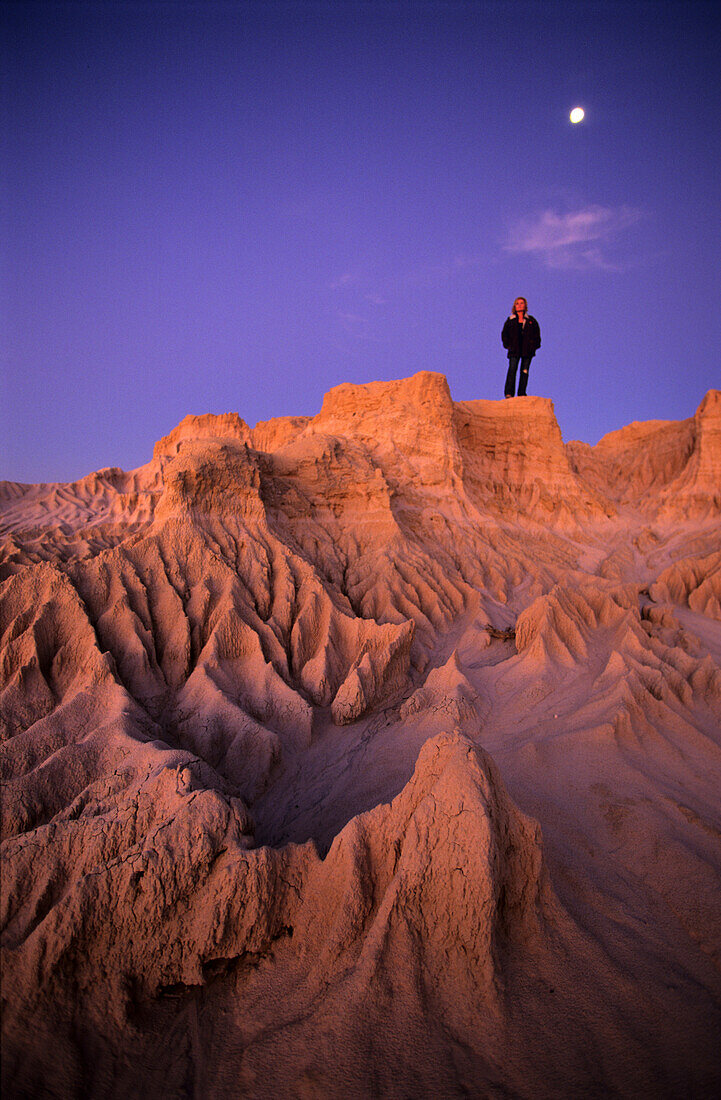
{"x": 253, "y": 839}
{"x": 667, "y": 469}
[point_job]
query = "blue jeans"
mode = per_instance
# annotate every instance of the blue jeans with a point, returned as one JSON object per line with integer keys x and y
{"x": 510, "y": 389}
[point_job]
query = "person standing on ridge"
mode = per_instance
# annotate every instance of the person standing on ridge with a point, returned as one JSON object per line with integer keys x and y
{"x": 522, "y": 337}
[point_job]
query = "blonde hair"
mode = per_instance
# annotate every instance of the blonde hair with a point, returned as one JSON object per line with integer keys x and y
{"x": 520, "y": 298}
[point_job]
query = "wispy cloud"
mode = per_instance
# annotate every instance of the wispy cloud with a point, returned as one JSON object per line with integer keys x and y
{"x": 348, "y": 278}
{"x": 364, "y": 299}
{"x": 377, "y": 287}
{"x": 441, "y": 272}
{"x": 351, "y": 318}
{"x": 579, "y": 239}
{"x": 357, "y": 326}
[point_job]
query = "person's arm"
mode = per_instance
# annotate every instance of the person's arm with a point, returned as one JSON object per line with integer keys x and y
{"x": 505, "y": 333}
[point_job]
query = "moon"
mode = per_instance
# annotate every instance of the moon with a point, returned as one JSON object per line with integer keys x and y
{"x": 577, "y": 114}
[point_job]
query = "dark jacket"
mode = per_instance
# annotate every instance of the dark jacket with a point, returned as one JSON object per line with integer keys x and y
{"x": 522, "y": 341}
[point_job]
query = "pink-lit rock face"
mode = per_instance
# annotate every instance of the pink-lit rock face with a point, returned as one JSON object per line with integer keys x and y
{"x": 376, "y": 753}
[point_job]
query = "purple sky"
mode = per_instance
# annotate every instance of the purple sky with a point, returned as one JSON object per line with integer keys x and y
{"x": 210, "y": 207}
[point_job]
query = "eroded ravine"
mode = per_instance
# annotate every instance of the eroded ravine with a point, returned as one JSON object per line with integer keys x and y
{"x": 248, "y": 697}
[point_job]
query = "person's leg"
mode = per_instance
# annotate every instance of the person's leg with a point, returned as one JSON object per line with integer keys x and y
{"x": 510, "y": 387}
{"x": 523, "y": 377}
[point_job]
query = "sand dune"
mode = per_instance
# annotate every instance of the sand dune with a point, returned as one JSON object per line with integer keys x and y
{"x": 376, "y": 753}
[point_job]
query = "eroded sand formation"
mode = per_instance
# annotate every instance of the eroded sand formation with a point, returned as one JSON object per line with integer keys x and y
{"x": 370, "y": 754}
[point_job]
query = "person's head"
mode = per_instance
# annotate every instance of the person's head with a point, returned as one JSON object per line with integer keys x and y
{"x": 520, "y": 306}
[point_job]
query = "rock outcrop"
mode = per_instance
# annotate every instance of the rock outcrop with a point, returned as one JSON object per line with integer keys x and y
{"x": 664, "y": 468}
{"x": 374, "y": 753}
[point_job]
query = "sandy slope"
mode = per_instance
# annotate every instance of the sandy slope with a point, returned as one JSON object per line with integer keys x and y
{"x": 370, "y": 754}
